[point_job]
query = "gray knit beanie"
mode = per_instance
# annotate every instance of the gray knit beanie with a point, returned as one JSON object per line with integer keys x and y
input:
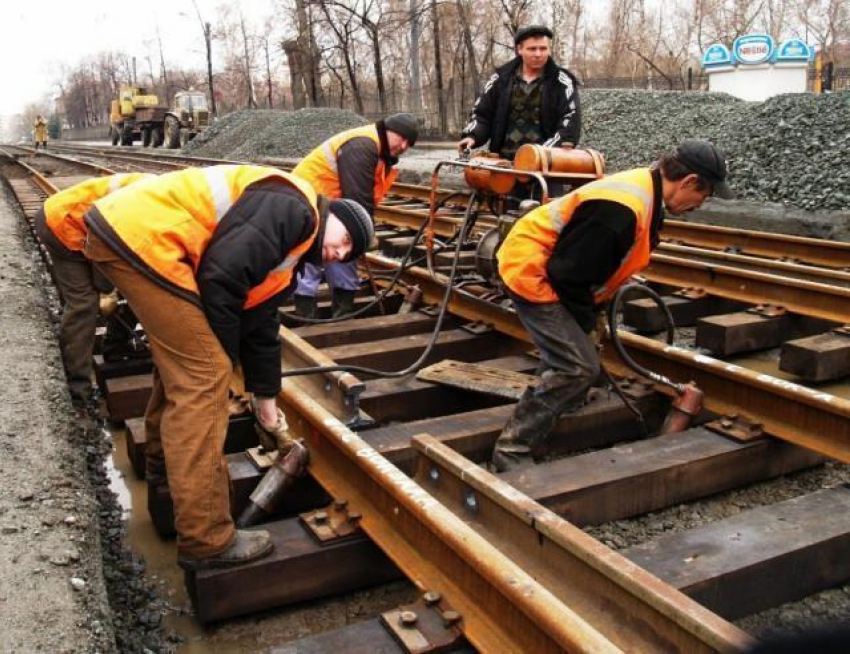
{"x": 358, "y": 223}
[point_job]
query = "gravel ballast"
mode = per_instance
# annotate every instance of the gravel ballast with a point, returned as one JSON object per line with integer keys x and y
{"x": 791, "y": 149}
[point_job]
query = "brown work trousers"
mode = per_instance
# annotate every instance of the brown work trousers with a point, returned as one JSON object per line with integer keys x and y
{"x": 186, "y": 418}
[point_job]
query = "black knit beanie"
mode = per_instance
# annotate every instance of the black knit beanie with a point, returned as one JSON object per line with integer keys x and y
{"x": 357, "y": 222}
{"x": 405, "y": 125}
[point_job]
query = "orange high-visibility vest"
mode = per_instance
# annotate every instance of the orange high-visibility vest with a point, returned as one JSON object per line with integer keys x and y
{"x": 525, "y": 253}
{"x": 168, "y": 222}
{"x": 320, "y": 167}
{"x": 63, "y": 211}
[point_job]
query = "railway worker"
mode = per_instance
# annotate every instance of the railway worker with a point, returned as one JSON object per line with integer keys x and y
{"x": 39, "y": 132}
{"x": 563, "y": 260}
{"x": 358, "y": 164}
{"x": 530, "y": 99}
{"x": 204, "y": 257}
{"x": 60, "y": 228}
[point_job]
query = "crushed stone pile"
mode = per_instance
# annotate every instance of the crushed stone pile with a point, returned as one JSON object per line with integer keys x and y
{"x": 248, "y": 134}
{"x": 790, "y": 149}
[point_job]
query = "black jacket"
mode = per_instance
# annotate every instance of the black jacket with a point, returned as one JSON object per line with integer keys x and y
{"x": 268, "y": 220}
{"x": 560, "y": 112}
{"x": 357, "y": 160}
{"x": 591, "y": 248}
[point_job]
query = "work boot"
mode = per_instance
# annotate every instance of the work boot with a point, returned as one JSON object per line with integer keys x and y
{"x": 246, "y": 546}
{"x": 342, "y": 302}
{"x": 526, "y": 429}
{"x": 306, "y": 306}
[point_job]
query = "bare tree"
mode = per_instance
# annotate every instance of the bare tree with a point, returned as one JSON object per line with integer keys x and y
{"x": 206, "y": 28}
{"x": 247, "y": 63}
{"x": 342, "y": 25}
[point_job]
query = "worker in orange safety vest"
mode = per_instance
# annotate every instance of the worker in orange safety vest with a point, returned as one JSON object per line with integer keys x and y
{"x": 205, "y": 256}
{"x": 562, "y": 261}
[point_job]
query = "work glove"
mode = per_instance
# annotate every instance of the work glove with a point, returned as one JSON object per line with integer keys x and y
{"x": 273, "y": 437}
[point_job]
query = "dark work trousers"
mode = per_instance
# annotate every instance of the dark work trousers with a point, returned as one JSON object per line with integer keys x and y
{"x": 78, "y": 286}
{"x": 569, "y": 366}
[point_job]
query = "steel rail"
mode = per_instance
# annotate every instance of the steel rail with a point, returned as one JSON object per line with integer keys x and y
{"x": 810, "y": 418}
{"x": 797, "y": 295}
{"x": 829, "y": 254}
{"x": 820, "y": 275}
{"x": 38, "y": 179}
{"x": 634, "y": 609}
{"x": 501, "y": 607}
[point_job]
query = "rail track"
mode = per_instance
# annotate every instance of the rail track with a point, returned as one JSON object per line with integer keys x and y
{"x": 504, "y": 562}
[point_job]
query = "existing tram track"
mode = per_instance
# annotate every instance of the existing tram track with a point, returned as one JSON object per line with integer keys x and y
{"x": 322, "y": 424}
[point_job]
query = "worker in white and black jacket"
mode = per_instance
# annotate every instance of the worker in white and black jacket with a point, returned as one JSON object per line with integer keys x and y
{"x": 528, "y": 100}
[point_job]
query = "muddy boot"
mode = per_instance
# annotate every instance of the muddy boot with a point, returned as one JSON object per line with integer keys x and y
{"x": 526, "y": 429}
{"x": 306, "y": 306}
{"x": 342, "y": 302}
{"x": 246, "y": 546}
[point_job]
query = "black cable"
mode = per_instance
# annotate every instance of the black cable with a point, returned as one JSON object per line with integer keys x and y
{"x": 618, "y": 346}
{"x": 437, "y": 327}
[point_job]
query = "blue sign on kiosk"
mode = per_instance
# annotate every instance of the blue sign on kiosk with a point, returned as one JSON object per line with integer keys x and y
{"x": 794, "y": 50}
{"x": 752, "y": 49}
{"x": 716, "y": 55}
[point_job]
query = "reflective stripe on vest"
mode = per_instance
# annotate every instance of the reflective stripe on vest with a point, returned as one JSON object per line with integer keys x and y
{"x": 524, "y": 256}
{"x": 64, "y": 211}
{"x": 170, "y": 222}
{"x": 320, "y": 167}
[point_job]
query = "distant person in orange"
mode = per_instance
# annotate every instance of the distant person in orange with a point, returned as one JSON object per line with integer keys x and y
{"x": 39, "y": 132}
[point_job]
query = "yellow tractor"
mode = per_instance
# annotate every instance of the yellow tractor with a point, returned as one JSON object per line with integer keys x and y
{"x": 137, "y": 114}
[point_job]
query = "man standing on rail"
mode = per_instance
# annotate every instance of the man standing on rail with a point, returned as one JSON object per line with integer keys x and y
{"x": 60, "y": 228}
{"x": 39, "y": 132}
{"x": 204, "y": 257}
{"x": 562, "y": 261}
{"x": 357, "y": 164}
{"x": 528, "y": 100}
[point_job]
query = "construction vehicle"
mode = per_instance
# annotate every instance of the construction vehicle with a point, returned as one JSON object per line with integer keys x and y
{"x": 137, "y": 114}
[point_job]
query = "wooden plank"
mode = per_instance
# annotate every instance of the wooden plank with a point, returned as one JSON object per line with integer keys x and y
{"x": 478, "y": 378}
{"x": 299, "y": 569}
{"x": 306, "y": 495}
{"x": 240, "y": 436}
{"x": 136, "y": 443}
{"x": 818, "y": 358}
{"x": 474, "y": 433}
{"x": 733, "y": 333}
{"x": 644, "y": 476}
{"x": 759, "y": 558}
{"x": 646, "y": 316}
{"x": 411, "y": 399}
{"x": 127, "y": 397}
{"x": 367, "y": 329}
{"x": 104, "y": 370}
{"x": 398, "y": 353}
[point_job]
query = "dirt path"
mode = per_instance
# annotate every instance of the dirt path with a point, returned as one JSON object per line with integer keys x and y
{"x": 53, "y": 595}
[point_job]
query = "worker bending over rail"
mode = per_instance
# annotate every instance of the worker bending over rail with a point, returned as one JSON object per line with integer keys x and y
{"x": 357, "y": 164}
{"x": 562, "y": 261}
{"x": 60, "y": 228}
{"x": 204, "y": 257}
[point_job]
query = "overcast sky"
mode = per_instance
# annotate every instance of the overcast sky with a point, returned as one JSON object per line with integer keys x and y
{"x": 36, "y": 37}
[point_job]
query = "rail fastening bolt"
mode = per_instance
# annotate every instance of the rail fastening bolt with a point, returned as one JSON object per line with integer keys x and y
{"x": 431, "y": 597}
{"x": 407, "y": 618}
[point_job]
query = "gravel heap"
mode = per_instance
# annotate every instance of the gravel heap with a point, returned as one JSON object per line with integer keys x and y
{"x": 789, "y": 149}
{"x": 250, "y": 134}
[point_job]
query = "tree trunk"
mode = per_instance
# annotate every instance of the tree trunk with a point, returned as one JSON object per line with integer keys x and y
{"x": 470, "y": 48}
{"x": 415, "y": 75}
{"x": 438, "y": 69}
{"x": 296, "y": 74}
{"x": 208, "y": 41}
{"x": 379, "y": 67}
{"x": 309, "y": 54}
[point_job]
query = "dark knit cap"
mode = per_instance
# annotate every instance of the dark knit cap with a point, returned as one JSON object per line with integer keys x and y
{"x": 528, "y": 31}
{"x": 706, "y": 160}
{"x": 358, "y": 223}
{"x": 405, "y": 125}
